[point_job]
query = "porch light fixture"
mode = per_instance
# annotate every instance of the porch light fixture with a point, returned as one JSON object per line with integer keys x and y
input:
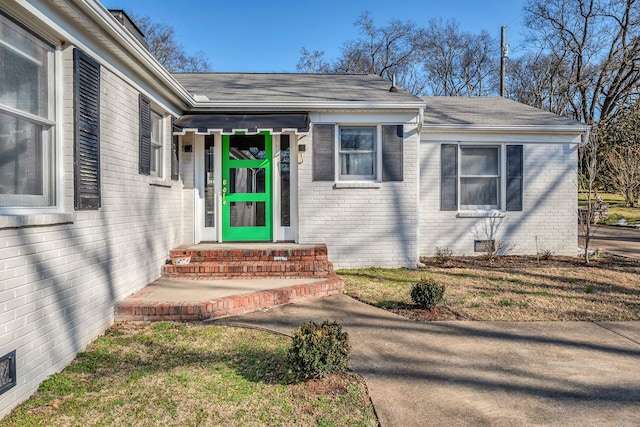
{"x": 301, "y": 149}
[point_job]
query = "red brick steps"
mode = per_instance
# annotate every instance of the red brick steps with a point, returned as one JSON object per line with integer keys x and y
{"x": 215, "y": 267}
{"x": 224, "y": 263}
{"x": 251, "y": 269}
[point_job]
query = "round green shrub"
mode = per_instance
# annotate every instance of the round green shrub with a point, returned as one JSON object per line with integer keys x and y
{"x": 427, "y": 293}
{"x": 319, "y": 349}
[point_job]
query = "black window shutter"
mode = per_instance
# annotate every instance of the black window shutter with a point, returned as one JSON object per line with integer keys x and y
{"x": 514, "y": 177}
{"x": 86, "y": 103}
{"x": 323, "y": 152}
{"x": 392, "y": 160}
{"x": 175, "y": 155}
{"x": 145, "y": 136}
{"x": 449, "y": 177}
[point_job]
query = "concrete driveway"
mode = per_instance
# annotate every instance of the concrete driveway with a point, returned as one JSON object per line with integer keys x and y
{"x": 623, "y": 241}
{"x": 481, "y": 373}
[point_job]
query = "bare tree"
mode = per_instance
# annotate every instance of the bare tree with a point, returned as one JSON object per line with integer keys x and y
{"x": 164, "y": 47}
{"x": 621, "y": 158}
{"x": 312, "y": 62}
{"x": 540, "y": 80}
{"x": 387, "y": 50}
{"x": 458, "y": 62}
{"x": 437, "y": 60}
{"x": 598, "y": 41}
{"x": 587, "y": 178}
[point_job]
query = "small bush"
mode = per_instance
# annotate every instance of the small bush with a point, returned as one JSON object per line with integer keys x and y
{"x": 319, "y": 349}
{"x": 427, "y": 293}
{"x": 442, "y": 255}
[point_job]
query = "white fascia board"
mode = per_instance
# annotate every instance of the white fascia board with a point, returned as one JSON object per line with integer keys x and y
{"x": 109, "y": 24}
{"x": 302, "y": 106}
{"x": 461, "y": 128}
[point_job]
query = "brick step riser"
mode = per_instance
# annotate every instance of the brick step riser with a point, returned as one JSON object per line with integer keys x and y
{"x": 248, "y": 276}
{"x": 253, "y": 255}
{"x": 196, "y": 258}
{"x": 227, "y": 306}
{"x": 292, "y": 269}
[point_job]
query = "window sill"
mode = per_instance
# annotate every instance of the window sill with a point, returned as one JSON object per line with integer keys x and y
{"x": 156, "y": 182}
{"x": 8, "y": 222}
{"x": 340, "y": 185}
{"x": 481, "y": 214}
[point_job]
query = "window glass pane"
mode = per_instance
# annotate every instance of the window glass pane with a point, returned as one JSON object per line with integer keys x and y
{"x": 209, "y": 193}
{"x": 156, "y": 128}
{"x": 479, "y": 192}
{"x": 156, "y": 144}
{"x": 23, "y": 165}
{"x": 285, "y": 173}
{"x": 479, "y": 161}
{"x": 156, "y": 159}
{"x": 247, "y": 214}
{"x": 24, "y": 70}
{"x": 357, "y": 138}
{"x": 357, "y": 164}
{"x": 246, "y": 180}
{"x": 247, "y": 147}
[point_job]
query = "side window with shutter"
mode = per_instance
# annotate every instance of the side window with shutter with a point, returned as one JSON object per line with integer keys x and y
{"x": 392, "y": 149}
{"x": 514, "y": 177}
{"x": 323, "y": 152}
{"x": 86, "y": 102}
{"x": 145, "y": 136}
{"x": 449, "y": 177}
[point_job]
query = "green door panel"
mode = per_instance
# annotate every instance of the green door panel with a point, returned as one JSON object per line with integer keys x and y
{"x": 246, "y": 187}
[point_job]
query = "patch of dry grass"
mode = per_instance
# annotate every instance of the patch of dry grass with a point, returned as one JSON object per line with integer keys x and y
{"x": 509, "y": 289}
{"x": 190, "y": 375}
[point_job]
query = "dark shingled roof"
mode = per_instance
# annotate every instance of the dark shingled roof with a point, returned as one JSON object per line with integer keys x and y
{"x": 294, "y": 88}
{"x": 488, "y": 111}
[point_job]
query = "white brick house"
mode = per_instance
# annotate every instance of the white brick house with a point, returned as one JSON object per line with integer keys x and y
{"x": 107, "y": 162}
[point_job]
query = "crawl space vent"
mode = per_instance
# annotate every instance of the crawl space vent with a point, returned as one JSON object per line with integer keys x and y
{"x": 7, "y": 371}
{"x": 484, "y": 245}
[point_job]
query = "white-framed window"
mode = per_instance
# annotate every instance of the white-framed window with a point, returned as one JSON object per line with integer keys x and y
{"x": 157, "y": 144}
{"x": 27, "y": 173}
{"x": 357, "y": 152}
{"x": 480, "y": 177}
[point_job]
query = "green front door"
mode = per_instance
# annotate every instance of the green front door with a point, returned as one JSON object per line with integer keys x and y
{"x": 246, "y": 187}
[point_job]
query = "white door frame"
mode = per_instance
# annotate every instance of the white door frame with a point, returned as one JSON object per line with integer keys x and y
{"x": 202, "y": 233}
{"x": 213, "y": 234}
{"x": 287, "y": 233}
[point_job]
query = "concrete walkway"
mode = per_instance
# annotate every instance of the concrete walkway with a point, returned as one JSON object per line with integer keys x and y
{"x": 481, "y": 373}
{"x": 623, "y": 241}
{"x": 175, "y": 290}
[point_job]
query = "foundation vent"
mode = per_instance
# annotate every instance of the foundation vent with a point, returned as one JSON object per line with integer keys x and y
{"x": 484, "y": 245}
{"x": 7, "y": 371}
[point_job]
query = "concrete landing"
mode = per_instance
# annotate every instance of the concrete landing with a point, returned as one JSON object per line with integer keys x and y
{"x": 194, "y": 300}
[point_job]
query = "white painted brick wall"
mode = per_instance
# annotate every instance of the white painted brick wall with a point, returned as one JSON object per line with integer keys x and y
{"x": 59, "y": 283}
{"x": 549, "y": 213}
{"x": 362, "y": 226}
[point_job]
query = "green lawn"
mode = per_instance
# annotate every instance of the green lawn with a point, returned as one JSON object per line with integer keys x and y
{"x": 508, "y": 289}
{"x": 170, "y": 374}
{"x": 617, "y": 209}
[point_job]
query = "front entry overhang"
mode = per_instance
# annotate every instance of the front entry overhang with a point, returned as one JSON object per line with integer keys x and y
{"x": 230, "y": 123}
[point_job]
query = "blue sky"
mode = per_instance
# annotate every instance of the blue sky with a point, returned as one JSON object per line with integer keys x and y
{"x": 267, "y": 35}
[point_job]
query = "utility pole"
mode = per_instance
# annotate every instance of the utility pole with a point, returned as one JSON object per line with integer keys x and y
{"x": 504, "y": 54}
